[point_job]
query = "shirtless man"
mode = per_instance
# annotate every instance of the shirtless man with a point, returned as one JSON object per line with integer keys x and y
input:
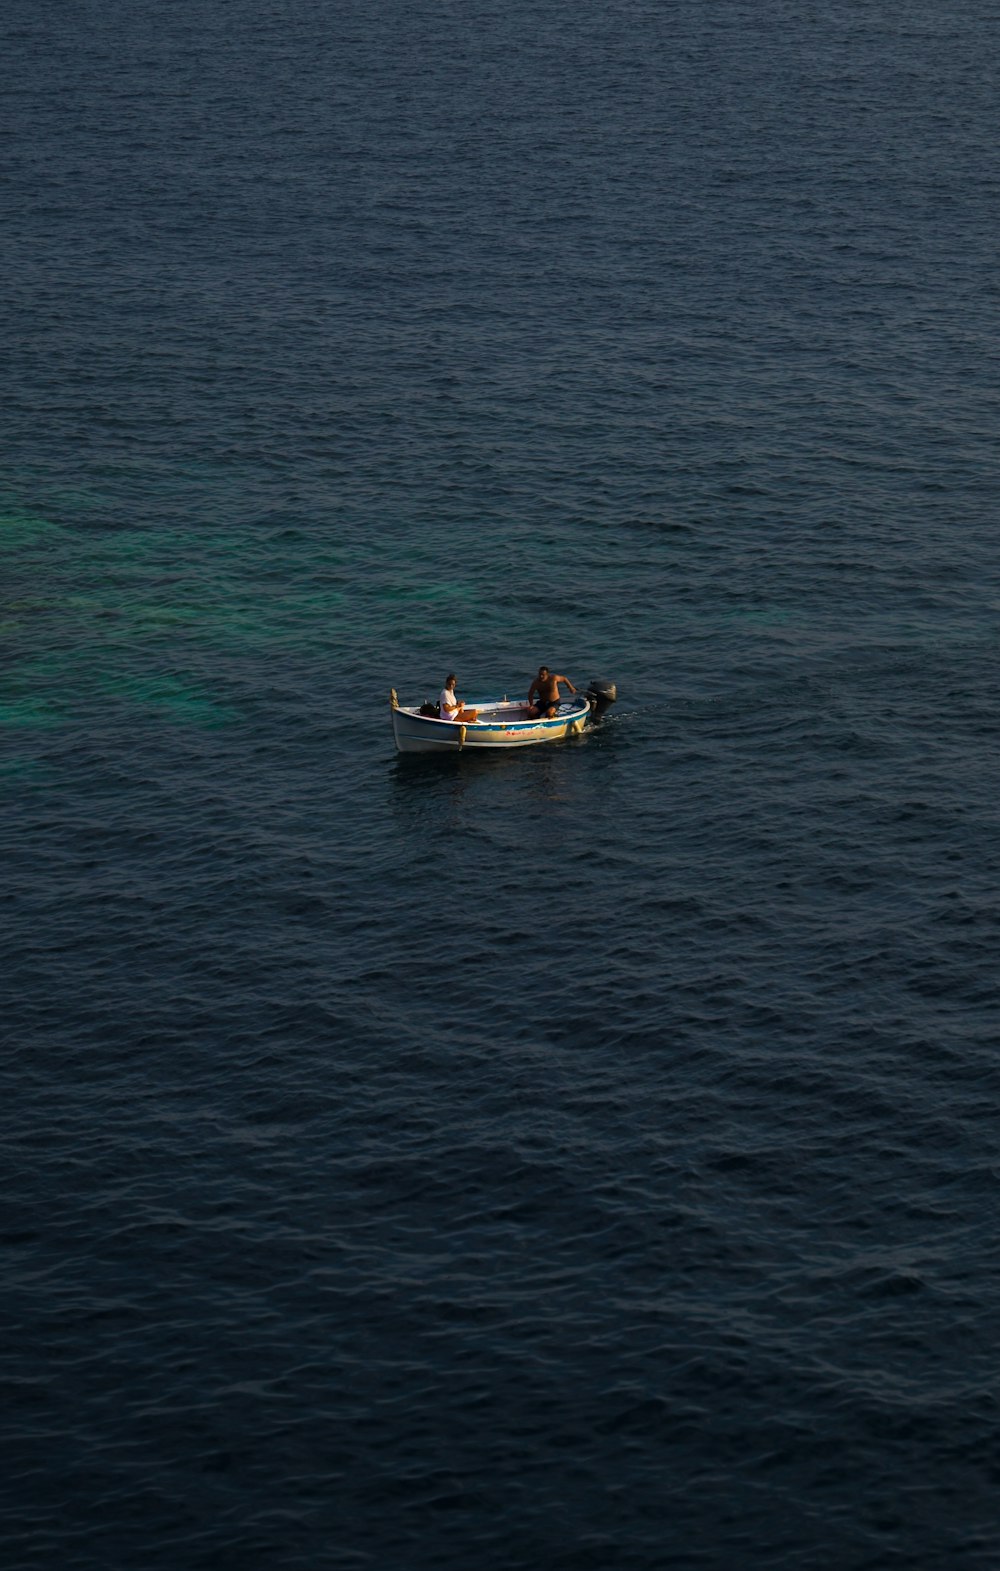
{"x": 546, "y": 685}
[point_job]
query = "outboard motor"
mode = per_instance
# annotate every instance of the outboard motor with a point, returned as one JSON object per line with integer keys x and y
{"x": 601, "y": 695}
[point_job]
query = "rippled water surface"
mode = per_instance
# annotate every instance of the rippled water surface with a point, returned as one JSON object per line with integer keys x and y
{"x": 583, "y": 1159}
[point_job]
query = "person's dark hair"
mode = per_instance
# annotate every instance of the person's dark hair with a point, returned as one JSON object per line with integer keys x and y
{"x": 451, "y": 677}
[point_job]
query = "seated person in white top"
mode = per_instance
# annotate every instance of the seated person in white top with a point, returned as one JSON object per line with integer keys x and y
{"x": 449, "y": 704}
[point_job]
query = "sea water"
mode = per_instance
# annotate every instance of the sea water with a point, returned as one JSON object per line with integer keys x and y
{"x": 585, "y": 1158}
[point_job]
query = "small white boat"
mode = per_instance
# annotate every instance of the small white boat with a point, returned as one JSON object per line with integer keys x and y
{"x": 499, "y": 722}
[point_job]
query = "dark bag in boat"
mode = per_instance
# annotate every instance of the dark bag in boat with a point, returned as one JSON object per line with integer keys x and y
{"x": 432, "y": 711}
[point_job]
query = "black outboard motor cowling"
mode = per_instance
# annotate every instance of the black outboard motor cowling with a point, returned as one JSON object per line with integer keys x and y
{"x": 601, "y": 695}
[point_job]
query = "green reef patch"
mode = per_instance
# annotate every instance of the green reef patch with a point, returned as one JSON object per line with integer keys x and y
{"x": 169, "y": 698}
{"x": 171, "y": 617}
{"x": 25, "y": 712}
{"x": 20, "y": 529}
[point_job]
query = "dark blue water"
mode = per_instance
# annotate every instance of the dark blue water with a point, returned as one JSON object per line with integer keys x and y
{"x": 581, "y": 1160}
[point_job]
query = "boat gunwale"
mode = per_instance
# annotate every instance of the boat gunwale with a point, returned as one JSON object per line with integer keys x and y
{"x": 576, "y": 706}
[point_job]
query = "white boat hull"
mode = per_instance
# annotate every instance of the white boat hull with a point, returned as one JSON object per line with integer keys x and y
{"x": 501, "y": 724}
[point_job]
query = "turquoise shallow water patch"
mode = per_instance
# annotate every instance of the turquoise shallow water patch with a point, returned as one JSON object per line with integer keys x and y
{"x": 103, "y": 605}
{"x": 168, "y": 696}
{"x": 30, "y": 712}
